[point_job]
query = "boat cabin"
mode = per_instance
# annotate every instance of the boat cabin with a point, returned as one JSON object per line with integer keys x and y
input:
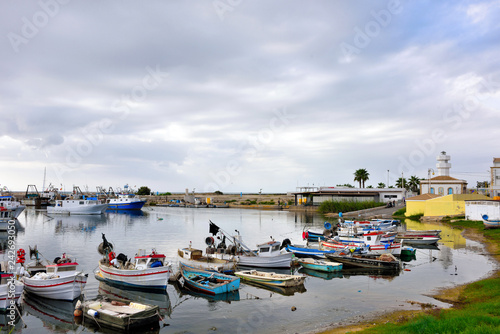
{"x": 190, "y": 253}
{"x": 68, "y": 268}
{"x": 153, "y": 260}
{"x": 271, "y": 248}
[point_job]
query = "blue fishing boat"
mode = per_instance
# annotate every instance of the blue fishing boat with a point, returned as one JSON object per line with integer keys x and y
{"x": 320, "y": 265}
{"x": 308, "y": 252}
{"x": 490, "y": 223}
{"x": 126, "y": 201}
{"x": 208, "y": 282}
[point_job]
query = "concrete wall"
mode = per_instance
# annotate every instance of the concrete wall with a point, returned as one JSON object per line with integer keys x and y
{"x": 474, "y": 210}
{"x": 414, "y": 208}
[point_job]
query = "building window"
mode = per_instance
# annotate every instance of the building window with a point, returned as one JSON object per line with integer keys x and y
{"x": 450, "y": 191}
{"x": 432, "y": 190}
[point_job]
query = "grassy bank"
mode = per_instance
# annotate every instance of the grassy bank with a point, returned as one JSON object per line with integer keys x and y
{"x": 476, "y": 306}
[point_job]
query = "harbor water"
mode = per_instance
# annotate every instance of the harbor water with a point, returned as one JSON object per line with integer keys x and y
{"x": 325, "y": 299}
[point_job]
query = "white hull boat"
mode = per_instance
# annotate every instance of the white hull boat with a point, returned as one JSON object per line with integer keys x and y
{"x": 77, "y": 207}
{"x": 147, "y": 271}
{"x": 193, "y": 258}
{"x": 9, "y": 295}
{"x": 61, "y": 281}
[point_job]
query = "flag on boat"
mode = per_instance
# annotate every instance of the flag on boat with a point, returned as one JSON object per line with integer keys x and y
{"x": 214, "y": 229}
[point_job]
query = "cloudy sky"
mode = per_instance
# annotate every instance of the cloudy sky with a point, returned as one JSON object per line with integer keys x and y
{"x": 238, "y": 95}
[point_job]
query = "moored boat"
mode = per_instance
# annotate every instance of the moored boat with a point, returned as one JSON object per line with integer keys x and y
{"x": 126, "y": 201}
{"x": 192, "y": 257}
{"x": 418, "y": 240}
{"x": 320, "y": 265}
{"x": 270, "y": 278}
{"x": 61, "y": 280}
{"x": 147, "y": 271}
{"x": 490, "y": 223}
{"x": 11, "y": 290}
{"x": 208, "y": 282}
{"x": 120, "y": 316}
{"x": 308, "y": 252}
{"x": 385, "y": 261}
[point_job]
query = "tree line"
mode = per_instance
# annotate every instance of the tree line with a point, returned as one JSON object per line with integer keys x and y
{"x": 361, "y": 175}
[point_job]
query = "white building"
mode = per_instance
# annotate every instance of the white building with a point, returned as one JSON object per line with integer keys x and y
{"x": 495, "y": 178}
{"x": 475, "y": 209}
{"x": 443, "y": 184}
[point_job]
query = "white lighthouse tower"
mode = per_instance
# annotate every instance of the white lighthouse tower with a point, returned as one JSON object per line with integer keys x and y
{"x": 443, "y": 166}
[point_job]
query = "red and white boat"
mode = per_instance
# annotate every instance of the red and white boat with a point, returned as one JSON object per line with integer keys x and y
{"x": 370, "y": 243}
{"x": 10, "y": 291}
{"x": 61, "y": 281}
{"x": 146, "y": 271}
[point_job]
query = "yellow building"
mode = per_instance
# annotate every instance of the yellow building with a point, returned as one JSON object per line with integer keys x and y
{"x": 435, "y": 206}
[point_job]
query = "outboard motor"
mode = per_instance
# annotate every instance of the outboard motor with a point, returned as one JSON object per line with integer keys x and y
{"x": 285, "y": 243}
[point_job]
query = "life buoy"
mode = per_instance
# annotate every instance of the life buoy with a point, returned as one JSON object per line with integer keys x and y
{"x": 111, "y": 256}
{"x": 20, "y": 256}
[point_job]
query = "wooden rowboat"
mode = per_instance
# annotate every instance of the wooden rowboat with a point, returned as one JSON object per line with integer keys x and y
{"x": 319, "y": 265}
{"x": 208, "y": 282}
{"x": 271, "y": 279}
{"x": 490, "y": 223}
{"x": 120, "y": 316}
{"x": 351, "y": 261}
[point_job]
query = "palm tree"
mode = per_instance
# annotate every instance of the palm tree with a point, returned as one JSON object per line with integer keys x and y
{"x": 401, "y": 183}
{"x": 361, "y": 175}
{"x": 414, "y": 183}
{"x": 381, "y": 185}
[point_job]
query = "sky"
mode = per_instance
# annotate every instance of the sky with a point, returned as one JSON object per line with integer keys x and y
{"x": 245, "y": 96}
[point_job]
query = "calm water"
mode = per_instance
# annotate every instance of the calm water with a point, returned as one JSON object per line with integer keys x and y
{"x": 324, "y": 300}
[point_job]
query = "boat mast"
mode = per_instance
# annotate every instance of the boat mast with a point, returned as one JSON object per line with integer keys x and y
{"x": 44, "y": 175}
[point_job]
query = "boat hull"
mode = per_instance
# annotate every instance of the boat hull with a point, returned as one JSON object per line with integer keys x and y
{"x": 324, "y": 266}
{"x": 96, "y": 209}
{"x": 126, "y": 206}
{"x": 148, "y": 279}
{"x": 309, "y": 252}
{"x": 225, "y": 283}
{"x": 354, "y": 262}
{"x": 277, "y": 261}
{"x": 271, "y": 279}
{"x": 9, "y": 296}
{"x": 62, "y": 288}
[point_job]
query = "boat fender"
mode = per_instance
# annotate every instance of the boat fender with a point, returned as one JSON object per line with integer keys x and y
{"x": 93, "y": 313}
{"x": 305, "y": 235}
{"x": 111, "y": 256}
{"x": 209, "y": 241}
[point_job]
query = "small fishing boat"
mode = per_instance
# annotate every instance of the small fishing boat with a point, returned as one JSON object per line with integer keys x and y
{"x": 11, "y": 290}
{"x": 208, "y": 282}
{"x": 147, "y": 271}
{"x": 315, "y": 236}
{"x": 120, "y": 316}
{"x": 320, "y": 265}
{"x": 272, "y": 279}
{"x": 385, "y": 261}
{"x": 192, "y": 257}
{"x": 338, "y": 246}
{"x": 408, "y": 253}
{"x": 308, "y": 252}
{"x": 417, "y": 240}
{"x": 10, "y": 209}
{"x": 61, "y": 280}
{"x": 420, "y": 233}
{"x": 490, "y": 223}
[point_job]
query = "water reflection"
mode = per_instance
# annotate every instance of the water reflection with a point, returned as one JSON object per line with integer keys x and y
{"x": 78, "y": 223}
{"x": 55, "y": 314}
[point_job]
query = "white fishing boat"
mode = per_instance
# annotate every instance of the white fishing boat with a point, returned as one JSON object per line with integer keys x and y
{"x": 268, "y": 255}
{"x": 147, "y": 271}
{"x": 10, "y": 207}
{"x": 78, "y": 204}
{"x": 77, "y": 207}
{"x": 61, "y": 280}
{"x": 10, "y": 291}
{"x": 194, "y": 258}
